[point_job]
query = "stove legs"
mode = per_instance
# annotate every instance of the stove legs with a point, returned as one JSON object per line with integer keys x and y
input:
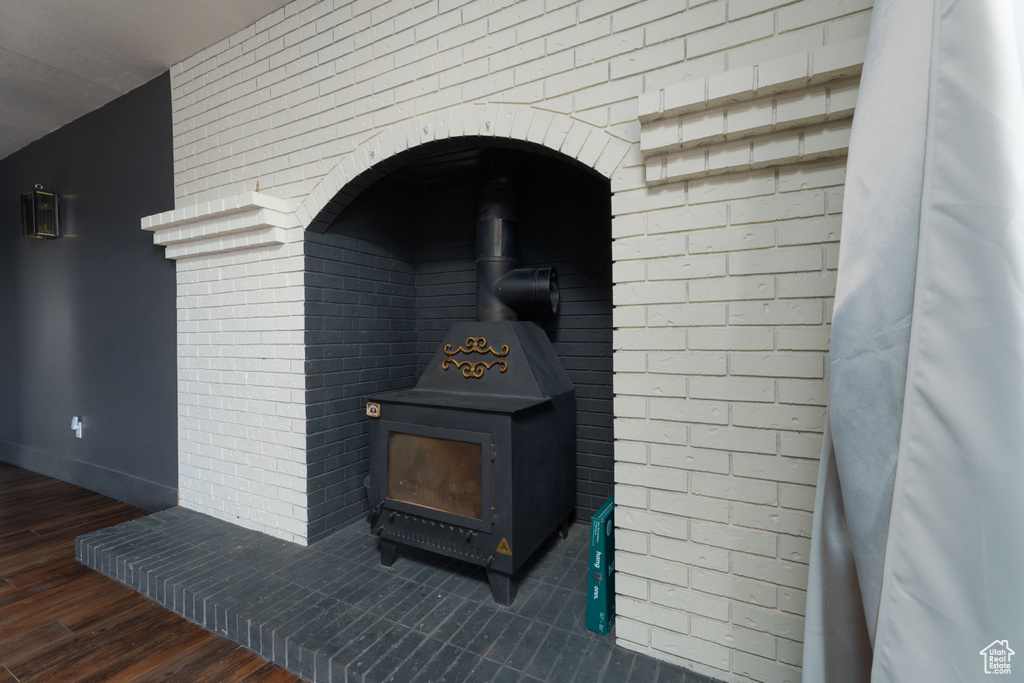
{"x": 387, "y": 552}
{"x": 563, "y": 528}
{"x": 503, "y": 587}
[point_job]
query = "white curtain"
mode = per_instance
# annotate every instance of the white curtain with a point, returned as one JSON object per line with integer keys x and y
{"x": 917, "y": 559}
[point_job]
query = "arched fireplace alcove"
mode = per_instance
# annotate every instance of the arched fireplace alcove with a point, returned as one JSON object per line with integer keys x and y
{"x": 396, "y": 267}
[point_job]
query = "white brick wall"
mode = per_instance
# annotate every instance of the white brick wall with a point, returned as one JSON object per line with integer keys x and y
{"x": 722, "y": 125}
{"x": 241, "y": 388}
{"x": 722, "y": 331}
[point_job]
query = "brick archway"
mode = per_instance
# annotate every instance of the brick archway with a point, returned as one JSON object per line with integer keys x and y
{"x": 533, "y": 128}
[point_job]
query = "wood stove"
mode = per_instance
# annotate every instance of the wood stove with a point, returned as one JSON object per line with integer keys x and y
{"x": 477, "y": 462}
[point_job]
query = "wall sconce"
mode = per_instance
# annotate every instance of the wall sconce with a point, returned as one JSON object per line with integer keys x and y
{"x": 40, "y": 213}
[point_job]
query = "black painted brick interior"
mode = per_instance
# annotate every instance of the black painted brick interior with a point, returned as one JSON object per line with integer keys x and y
{"x": 331, "y": 613}
{"x": 360, "y": 339}
{"x": 397, "y": 268}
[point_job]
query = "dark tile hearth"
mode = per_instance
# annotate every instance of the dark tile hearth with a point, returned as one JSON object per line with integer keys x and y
{"x": 332, "y": 614}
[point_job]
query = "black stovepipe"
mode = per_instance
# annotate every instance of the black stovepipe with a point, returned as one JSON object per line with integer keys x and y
{"x": 503, "y": 290}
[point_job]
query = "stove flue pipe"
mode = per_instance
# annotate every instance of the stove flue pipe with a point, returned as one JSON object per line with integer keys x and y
{"x": 503, "y": 290}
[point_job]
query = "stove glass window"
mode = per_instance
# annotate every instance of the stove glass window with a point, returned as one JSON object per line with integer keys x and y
{"x": 435, "y": 473}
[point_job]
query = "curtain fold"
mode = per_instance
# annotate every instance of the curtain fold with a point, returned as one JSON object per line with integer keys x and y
{"x": 918, "y": 536}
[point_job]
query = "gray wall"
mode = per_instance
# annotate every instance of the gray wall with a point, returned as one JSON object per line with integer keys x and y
{"x": 392, "y": 274}
{"x": 87, "y": 321}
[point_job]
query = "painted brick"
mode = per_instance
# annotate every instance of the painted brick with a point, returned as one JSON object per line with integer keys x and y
{"x": 650, "y": 385}
{"x": 631, "y": 541}
{"x": 801, "y": 106}
{"x": 787, "y": 312}
{"x": 647, "y": 293}
{"x": 681, "y": 218}
{"x": 689, "y": 363}
{"x": 733, "y": 438}
{"x": 693, "y": 20}
{"x": 777, "y": 149}
{"x": 632, "y": 587}
{"x": 734, "y": 488}
{"x": 629, "y": 316}
{"x": 671, "y": 573}
{"x": 686, "y": 267}
{"x": 764, "y": 670}
{"x": 685, "y": 95}
{"x": 796, "y": 497}
{"x": 247, "y": 110}
{"x": 790, "y": 653}
{"x": 735, "y": 155}
{"x": 733, "y": 388}
{"x": 803, "y": 338}
{"x": 689, "y": 553}
{"x": 649, "y": 247}
{"x": 778, "y": 364}
{"x": 750, "y": 118}
{"x": 791, "y": 522}
{"x": 688, "y": 410}
{"x": 651, "y": 477}
{"x": 793, "y": 601}
{"x": 690, "y": 650}
{"x": 738, "y": 588}
{"x": 827, "y": 140}
{"x": 628, "y": 495}
{"x": 755, "y": 184}
{"x": 732, "y": 338}
{"x": 795, "y": 471}
{"x": 842, "y": 99}
{"x": 783, "y": 71}
{"x": 696, "y": 507}
{"x": 768, "y": 621}
{"x": 687, "y": 601}
{"x": 805, "y": 285}
{"x": 787, "y": 417}
{"x": 683, "y": 315}
{"x": 795, "y": 549}
{"x": 654, "y": 615}
{"x": 633, "y": 632}
{"x": 850, "y": 29}
{"x": 800, "y": 445}
{"x": 664, "y": 338}
{"x": 803, "y": 392}
{"x": 651, "y": 431}
{"x": 660, "y": 135}
{"x": 731, "y": 85}
{"x": 731, "y": 33}
{"x": 736, "y": 288}
{"x": 703, "y": 127}
{"x": 682, "y": 164}
{"x": 741, "y": 638}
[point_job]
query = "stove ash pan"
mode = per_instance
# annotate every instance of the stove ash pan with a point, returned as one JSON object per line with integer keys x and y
{"x": 477, "y": 462}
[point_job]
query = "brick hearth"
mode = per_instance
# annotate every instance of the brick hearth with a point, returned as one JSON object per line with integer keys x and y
{"x": 332, "y": 614}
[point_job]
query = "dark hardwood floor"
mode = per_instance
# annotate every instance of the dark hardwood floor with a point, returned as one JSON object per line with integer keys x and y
{"x": 60, "y": 621}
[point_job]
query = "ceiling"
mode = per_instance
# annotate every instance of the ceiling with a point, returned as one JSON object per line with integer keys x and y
{"x": 60, "y": 59}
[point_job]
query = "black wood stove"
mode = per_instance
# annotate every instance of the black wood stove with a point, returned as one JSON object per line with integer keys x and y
{"x": 477, "y": 462}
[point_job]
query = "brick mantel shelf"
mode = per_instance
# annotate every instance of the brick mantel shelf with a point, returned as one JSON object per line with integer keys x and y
{"x": 243, "y": 221}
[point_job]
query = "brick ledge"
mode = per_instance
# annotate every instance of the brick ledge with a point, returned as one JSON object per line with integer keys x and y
{"x": 242, "y": 221}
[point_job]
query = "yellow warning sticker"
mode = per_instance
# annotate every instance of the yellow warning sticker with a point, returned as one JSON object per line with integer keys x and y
{"x": 504, "y": 549}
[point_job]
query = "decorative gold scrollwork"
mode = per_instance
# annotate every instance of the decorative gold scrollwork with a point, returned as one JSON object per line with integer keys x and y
{"x": 475, "y": 369}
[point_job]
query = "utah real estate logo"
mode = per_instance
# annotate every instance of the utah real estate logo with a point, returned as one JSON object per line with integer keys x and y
{"x": 997, "y": 657}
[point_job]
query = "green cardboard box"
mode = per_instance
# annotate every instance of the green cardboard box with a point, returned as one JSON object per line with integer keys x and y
{"x": 601, "y": 570}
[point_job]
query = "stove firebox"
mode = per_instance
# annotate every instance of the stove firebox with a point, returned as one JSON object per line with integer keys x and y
{"x": 477, "y": 462}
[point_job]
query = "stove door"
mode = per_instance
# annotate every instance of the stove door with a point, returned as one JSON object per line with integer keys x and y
{"x": 437, "y": 473}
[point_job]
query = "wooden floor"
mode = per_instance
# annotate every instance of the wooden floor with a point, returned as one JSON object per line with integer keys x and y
{"x": 60, "y": 621}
